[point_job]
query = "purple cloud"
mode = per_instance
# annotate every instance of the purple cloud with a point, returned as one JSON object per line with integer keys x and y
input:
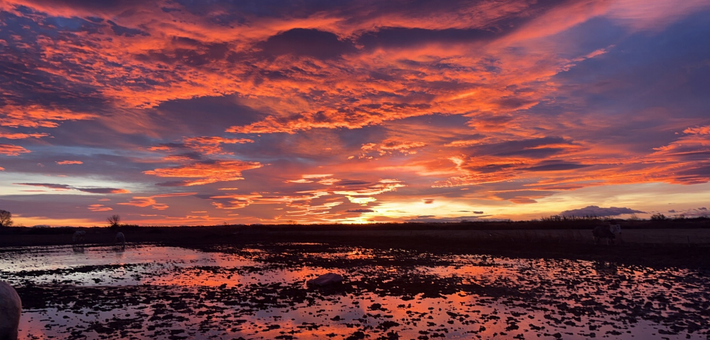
{"x": 594, "y": 210}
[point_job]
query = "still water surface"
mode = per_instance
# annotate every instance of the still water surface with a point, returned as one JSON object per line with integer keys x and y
{"x": 155, "y": 292}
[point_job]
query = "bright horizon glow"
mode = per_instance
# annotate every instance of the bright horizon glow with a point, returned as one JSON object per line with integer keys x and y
{"x": 174, "y": 113}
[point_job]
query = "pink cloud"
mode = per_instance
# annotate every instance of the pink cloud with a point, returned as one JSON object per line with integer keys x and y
{"x": 99, "y": 208}
{"x": 12, "y": 150}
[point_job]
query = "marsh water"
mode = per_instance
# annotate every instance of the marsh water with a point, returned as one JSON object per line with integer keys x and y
{"x": 259, "y": 292}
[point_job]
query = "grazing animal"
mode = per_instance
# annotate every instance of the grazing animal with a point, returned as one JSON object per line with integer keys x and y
{"x": 616, "y": 230}
{"x": 120, "y": 239}
{"x": 10, "y": 311}
{"x": 79, "y": 236}
{"x": 603, "y": 232}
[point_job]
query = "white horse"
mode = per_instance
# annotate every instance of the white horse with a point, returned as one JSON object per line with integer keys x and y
{"x": 120, "y": 239}
{"x": 10, "y": 311}
{"x": 616, "y": 230}
{"x": 603, "y": 232}
{"x": 79, "y": 236}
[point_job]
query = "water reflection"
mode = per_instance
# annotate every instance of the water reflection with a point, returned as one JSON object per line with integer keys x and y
{"x": 151, "y": 292}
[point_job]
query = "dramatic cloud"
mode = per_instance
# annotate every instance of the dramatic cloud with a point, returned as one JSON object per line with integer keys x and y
{"x": 354, "y": 111}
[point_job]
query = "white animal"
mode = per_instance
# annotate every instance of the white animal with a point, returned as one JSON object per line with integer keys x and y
{"x": 603, "y": 232}
{"x": 79, "y": 236}
{"x": 120, "y": 239}
{"x": 10, "y": 311}
{"x": 616, "y": 230}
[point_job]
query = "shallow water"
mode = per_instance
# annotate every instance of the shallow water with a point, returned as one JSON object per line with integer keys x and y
{"x": 154, "y": 292}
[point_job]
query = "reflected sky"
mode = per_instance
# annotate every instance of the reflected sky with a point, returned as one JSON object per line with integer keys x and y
{"x": 152, "y": 292}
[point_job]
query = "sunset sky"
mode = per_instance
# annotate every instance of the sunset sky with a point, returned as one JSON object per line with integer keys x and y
{"x": 200, "y": 113}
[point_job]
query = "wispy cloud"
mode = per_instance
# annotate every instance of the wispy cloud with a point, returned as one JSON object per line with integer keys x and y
{"x": 82, "y": 189}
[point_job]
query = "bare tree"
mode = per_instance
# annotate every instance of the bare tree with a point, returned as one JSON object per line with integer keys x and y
{"x": 113, "y": 220}
{"x": 5, "y": 218}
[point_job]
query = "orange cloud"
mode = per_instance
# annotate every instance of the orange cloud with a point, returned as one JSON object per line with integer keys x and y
{"x": 305, "y": 196}
{"x": 700, "y": 130}
{"x": 211, "y": 145}
{"x": 234, "y": 201}
{"x": 143, "y": 202}
{"x": 384, "y": 185}
{"x": 99, "y": 207}
{"x": 310, "y": 178}
{"x": 35, "y": 116}
{"x": 311, "y": 210}
{"x": 149, "y": 201}
{"x": 389, "y": 146}
{"x": 494, "y": 71}
{"x": 313, "y": 93}
{"x": 69, "y": 162}
{"x": 12, "y": 150}
{"x": 22, "y": 135}
{"x": 205, "y": 173}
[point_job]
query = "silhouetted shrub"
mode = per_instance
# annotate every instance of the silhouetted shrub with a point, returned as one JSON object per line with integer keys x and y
{"x": 5, "y": 218}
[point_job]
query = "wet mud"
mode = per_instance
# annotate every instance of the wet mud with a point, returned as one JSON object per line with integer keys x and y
{"x": 259, "y": 292}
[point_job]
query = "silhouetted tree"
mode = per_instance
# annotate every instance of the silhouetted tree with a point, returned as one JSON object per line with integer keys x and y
{"x": 5, "y": 218}
{"x": 658, "y": 217}
{"x": 113, "y": 220}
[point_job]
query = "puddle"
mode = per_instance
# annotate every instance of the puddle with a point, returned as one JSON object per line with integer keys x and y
{"x": 154, "y": 292}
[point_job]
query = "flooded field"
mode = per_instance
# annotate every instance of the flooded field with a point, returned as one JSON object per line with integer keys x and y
{"x": 259, "y": 292}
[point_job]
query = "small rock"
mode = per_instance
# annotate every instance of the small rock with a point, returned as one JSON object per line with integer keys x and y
{"x": 325, "y": 279}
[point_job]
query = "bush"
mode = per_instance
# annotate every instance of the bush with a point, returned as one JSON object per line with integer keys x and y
{"x": 658, "y": 217}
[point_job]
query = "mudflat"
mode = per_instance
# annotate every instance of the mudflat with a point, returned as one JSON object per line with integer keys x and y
{"x": 249, "y": 282}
